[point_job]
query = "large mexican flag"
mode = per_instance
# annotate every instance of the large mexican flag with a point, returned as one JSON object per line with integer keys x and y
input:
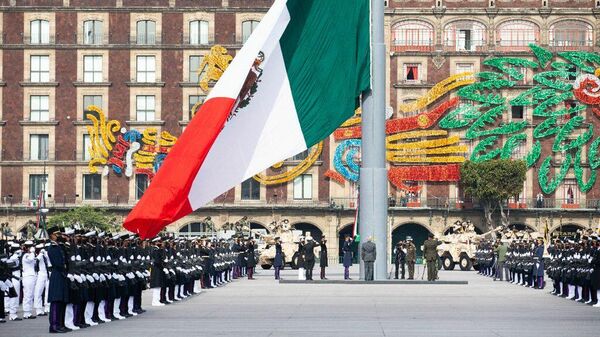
{"x": 295, "y": 80}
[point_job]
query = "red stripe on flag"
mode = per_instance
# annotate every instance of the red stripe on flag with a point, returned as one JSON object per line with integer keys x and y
{"x": 166, "y": 199}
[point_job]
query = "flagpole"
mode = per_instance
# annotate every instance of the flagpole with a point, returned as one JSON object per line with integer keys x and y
{"x": 373, "y": 173}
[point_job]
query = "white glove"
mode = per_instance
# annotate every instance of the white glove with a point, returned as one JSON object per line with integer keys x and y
{"x": 32, "y": 250}
{"x": 109, "y": 276}
{"x": 78, "y": 258}
{"x": 89, "y": 278}
{"x": 78, "y": 278}
{"x": 165, "y": 270}
{"x": 92, "y": 259}
{"x": 71, "y": 277}
{"x": 72, "y": 258}
{"x": 131, "y": 257}
{"x": 108, "y": 258}
{"x": 8, "y": 283}
{"x": 102, "y": 278}
{"x": 96, "y": 276}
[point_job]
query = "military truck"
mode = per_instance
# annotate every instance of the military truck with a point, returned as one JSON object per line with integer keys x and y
{"x": 289, "y": 243}
{"x": 460, "y": 246}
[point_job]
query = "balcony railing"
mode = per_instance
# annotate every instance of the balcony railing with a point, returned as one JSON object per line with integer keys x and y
{"x": 407, "y": 47}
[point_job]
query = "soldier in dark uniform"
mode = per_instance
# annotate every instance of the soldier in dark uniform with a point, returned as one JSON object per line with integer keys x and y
{"x": 399, "y": 258}
{"x": 309, "y": 257}
{"x": 323, "y": 263}
{"x": 538, "y": 269}
{"x": 278, "y": 260}
{"x": 58, "y": 292}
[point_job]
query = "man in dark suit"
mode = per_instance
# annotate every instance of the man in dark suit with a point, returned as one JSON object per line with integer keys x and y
{"x": 323, "y": 258}
{"x": 368, "y": 254}
{"x": 309, "y": 256}
{"x": 58, "y": 290}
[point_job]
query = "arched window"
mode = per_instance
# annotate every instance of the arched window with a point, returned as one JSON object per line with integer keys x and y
{"x": 517, "y": 34}
{"x": 412, "y": 35}
{"x": 92, "y": 32}
{"x": 464, "y": 36}
{"x": 198, "y": 32}
{"x": 195, "y": 229}
{"x": 247, "y": 29}
{"x": 146, "y": 32}
{"x": 39, "y": 31}
{"x": 571, "y": 34}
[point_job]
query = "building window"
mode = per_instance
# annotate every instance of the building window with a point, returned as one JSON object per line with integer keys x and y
{"x": 250, "y": 189}
{"x": 92, "y": 68}
{"x": 92, "y": 32}
{"x": 86, "y": 148}
{"x": 145, "y": 108}
{"x": 141, "y": 184}
{"x": 464, "y": 35}
{"x": 302, "y": 155}
{"x": 38, "y": 147}
{"x": 195, "y": 73}
{"x": 39, "y": 68}
{"x": 146, "y": 32}
{"x": 517, "y": 111}
{"x": 412, "y": 35}
{"x": 40, "y": 32}
{"x": 195, "y": 229}
{"x": 303, "y": 187}
{"x": 571, "y": 33}
{"x": 95, "y": 100}
{"x": 39, "y": 110}
{"x": 518, "y": 33}
{"x": 195, "y": 101}
{"x": 37, "y": 184}
{"x": 411, "y": 72}
{"x": 199, "y": 32}
{"x": 247, "y": 29}
{"x": 570, "y": 191}
{"x": 92, "y": 186}
{"x": 145, "y": 69}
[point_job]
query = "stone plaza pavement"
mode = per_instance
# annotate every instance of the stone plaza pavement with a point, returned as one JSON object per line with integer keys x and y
{"x": 264, "y": 307}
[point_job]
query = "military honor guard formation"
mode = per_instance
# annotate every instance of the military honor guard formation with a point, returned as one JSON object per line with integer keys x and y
{"x": 571, "y": 263}
{"x": 81, "y": 279}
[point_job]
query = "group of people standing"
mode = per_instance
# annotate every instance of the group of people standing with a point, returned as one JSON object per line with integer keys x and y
{"x": 82, "y": 279}
{"x": 520, "y": 262}
{"x": 305, "y": 257}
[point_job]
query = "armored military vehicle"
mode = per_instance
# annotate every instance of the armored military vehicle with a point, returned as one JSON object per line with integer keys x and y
{"x": 460, "y": 244}
{"x": 289, "y": 243}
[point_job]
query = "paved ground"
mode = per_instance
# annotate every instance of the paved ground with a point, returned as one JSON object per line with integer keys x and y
{"x": 266, "y": 308}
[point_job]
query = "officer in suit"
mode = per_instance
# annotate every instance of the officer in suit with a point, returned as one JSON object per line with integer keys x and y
{"x": 368, "y": 253}
{"x": 323, "y": 258}
{"x": 58, "y": 289}
{"x": 430, "y": 254}
{"x": 309, "y": 256}
{"x": 399, "y": 258}
{"x": 251, "y": 263}
{"x": 411, "y": 257}
{"x": 347, "y": 250}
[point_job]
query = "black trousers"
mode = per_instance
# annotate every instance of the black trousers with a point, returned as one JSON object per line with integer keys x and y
{"x": 399, "y": 265}
{"x": 309, "y": 265}
{"x": 2, "y": 314}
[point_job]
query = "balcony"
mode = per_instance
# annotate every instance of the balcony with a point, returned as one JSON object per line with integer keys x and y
{"x": 403, "y": 47}
{"x": 471, "y": 46}
{"x": 571, "y": 45}
{"x": 514, "y": 45}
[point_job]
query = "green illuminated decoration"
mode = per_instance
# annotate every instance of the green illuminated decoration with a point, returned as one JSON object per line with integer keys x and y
{"x": 563, "y": 91}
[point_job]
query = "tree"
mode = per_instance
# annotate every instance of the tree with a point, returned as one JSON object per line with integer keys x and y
{"x": 88, "y": 217}
{"x": 493, "y": 182}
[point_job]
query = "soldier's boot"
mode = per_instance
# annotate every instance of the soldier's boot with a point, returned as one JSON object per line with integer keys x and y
{"x": 156, "y": 298}
{"x": 102, "y": 312}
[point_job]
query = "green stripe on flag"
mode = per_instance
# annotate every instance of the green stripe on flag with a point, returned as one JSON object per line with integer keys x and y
{"x": 327, "y": 57}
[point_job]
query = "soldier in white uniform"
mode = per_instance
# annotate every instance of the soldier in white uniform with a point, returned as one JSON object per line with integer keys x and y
{"x": 40, "y": 304}
{"x": 13, "y": 302}
{"x": 29, "y": 278}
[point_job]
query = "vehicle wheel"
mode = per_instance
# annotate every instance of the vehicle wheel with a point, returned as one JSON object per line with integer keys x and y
{"x": 265, "y": 266}
{"x": 465, "y": 263}
{"x": 294, "y": 263}
{"x": 447, "y": 262}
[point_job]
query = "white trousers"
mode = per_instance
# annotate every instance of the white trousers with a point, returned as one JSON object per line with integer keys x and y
{"x": 301, "y": 274}
{"x": 69, "y": 316}
{"x": 13, "y": 303}
{"x": 28, "y": 291}
{"x": 88, "y": 313}
{"x": 102, "y": 311}
{"x": 155, "y": 296}
{"x": 41, "y": 284}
